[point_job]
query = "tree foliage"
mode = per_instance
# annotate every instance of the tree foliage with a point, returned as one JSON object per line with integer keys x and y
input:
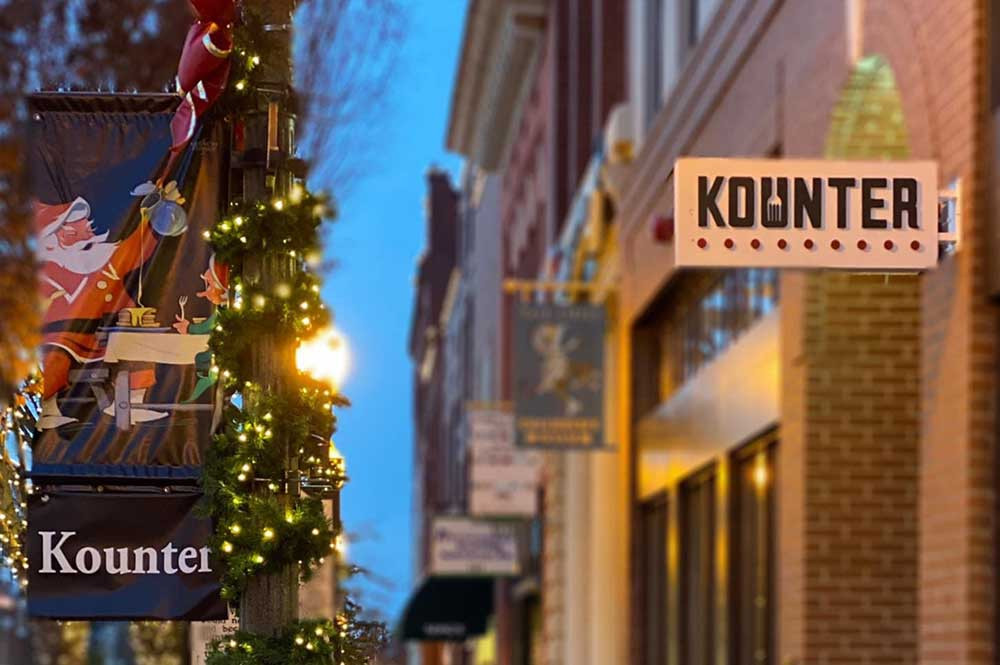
{"x": 346, "y": 53}
{"x": 63, "y": 44}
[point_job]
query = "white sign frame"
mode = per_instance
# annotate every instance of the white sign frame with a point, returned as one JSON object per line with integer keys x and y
{"x": 889, "y": 222}
{"x": 503, "y": 479}
{"x": 462, "y": 546}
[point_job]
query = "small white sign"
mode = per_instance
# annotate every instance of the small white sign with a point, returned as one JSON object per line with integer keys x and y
{"x": 503, "y": 479}
{"x": 783, "y": 213}
{"x": 203, "y": 633}
{"x": 464, "y": 546}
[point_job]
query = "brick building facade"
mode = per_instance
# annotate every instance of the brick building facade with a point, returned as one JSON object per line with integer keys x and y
{"x": 804, "y": 467}
{"x": 433, "y": 460}
{"x": 883, "y": 407}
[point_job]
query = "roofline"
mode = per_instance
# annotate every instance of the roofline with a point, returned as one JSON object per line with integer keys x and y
{"x": 500, "y": 44}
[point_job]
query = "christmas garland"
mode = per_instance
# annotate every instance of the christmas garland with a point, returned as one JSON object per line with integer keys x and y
{"x": 264, "y": 522}
{"x": 17, "y": 422}
{"x": 290, "y": 224}
{"x": 348, "y": 640}
{"x": 258, "y": 532}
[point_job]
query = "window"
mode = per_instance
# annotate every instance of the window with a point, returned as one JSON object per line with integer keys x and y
{"x": 695, "y": 17}
{"x": 653, "y": 57}
{"x": 651, "y": 588}
{"x": 752, "y": 554}
{"x": 697, "y": 568}
{"x": 691, "y": 27}
{"x": 706, "y": 315}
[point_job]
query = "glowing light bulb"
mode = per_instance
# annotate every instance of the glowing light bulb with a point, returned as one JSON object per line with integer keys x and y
{"x": 325, "y": 357}
{"x": 760, "y": 474}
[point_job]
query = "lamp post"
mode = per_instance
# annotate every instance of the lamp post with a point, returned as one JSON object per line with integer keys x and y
{"x": 270, "y": 601}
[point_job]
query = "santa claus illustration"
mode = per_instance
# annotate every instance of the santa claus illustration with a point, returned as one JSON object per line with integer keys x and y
{"x": 81, "y": 282}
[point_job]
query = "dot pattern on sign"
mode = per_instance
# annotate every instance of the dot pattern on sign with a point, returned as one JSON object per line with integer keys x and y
{"x": 809, "y": 243}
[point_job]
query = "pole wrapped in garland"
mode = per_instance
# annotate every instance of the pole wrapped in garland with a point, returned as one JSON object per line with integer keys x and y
{"x": 265, "y": 523}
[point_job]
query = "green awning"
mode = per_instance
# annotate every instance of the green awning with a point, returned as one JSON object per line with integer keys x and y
{"x": 448, "y": 609}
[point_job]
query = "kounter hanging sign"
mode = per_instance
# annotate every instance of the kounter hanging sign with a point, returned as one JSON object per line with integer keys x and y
{"x": 880, "y": 216}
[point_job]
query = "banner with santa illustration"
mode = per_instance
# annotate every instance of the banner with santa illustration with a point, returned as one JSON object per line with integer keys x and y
{"x": 129, "y": 286}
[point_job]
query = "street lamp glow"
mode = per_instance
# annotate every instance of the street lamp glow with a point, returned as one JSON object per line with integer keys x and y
{"x": 325, "y": 357}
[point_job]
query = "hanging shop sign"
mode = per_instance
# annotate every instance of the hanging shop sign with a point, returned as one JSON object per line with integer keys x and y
{"x": 503, "y": 479}
{"x": 463, "y": 546}
{"x": 90, "y": 558}
{"x": 129, "y": 285}
{"x": 559, "y": 376}
{"x": 782, "y": 213}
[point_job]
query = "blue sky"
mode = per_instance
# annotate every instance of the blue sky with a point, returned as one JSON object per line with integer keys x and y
{"x": 376, "y": 242}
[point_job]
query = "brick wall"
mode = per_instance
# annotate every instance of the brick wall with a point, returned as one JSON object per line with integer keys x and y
{"x": 959, "y": 362}
{"x": 549, "y": 650}
{"x": 886, "y": 466}
{"x": 859, "y": 456}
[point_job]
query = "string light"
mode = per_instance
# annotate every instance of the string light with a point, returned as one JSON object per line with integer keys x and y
{"x": 266, "y": 531}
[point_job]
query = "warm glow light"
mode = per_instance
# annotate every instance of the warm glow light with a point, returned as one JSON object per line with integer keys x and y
{"x": 340, "y": 545}
{"x": 324, "y": 357}
{"x": 334, "y": 454}
{"x": 760, "y": 475}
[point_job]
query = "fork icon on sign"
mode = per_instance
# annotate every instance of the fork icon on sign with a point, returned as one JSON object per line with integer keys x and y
{"x": 772, "y": 216}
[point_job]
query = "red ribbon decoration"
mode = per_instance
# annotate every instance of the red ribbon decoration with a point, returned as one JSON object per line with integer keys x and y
{"x": 203, "y": 70}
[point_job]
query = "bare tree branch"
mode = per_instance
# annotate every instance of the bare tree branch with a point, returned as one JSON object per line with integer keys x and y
{"x": 346, "y": 53}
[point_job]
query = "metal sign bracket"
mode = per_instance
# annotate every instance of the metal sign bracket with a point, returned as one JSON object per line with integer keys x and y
{"x": 950, "y": 217}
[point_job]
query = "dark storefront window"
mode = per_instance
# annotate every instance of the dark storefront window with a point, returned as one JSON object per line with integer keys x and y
{"x": 697, "y": 569}
{"x": 752, "y": 555}
{"x": 652, "y": 590}
{"x": 708, "y": 314}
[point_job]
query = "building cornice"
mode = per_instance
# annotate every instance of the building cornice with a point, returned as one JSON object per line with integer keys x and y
{"x": 499, "y": 48}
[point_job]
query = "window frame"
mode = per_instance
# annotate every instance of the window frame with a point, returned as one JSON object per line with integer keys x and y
{"x": 652, "y": 55}
{"x": 703, "y": 528}
{"x": 744, "y": 459}
{"x": 653, "y": 645}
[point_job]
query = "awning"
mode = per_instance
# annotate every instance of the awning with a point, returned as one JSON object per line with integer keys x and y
{"x": 448, "y": 609}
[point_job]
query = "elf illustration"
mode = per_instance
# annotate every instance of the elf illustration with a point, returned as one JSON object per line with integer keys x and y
{"x": 216, "y": 291}
{"x": 560, "y": 374}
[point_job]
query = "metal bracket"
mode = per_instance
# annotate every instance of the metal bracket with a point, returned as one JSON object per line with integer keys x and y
{"x": 950, "y": 217}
